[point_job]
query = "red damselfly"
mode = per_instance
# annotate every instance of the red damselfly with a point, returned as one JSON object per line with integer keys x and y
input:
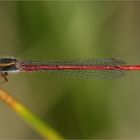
{"x": 97, "y": 68}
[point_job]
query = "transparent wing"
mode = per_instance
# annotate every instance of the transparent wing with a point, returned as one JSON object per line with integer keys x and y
{"x": 90, "y": 74}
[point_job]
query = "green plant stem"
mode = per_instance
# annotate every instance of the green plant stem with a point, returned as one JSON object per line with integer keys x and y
{"x": 34, "y": 121}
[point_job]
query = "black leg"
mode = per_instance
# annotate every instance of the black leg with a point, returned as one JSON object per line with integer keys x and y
{"x": 4, "y": 76}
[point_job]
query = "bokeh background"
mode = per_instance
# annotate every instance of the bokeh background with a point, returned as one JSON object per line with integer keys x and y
{"x": 76, "y": 108}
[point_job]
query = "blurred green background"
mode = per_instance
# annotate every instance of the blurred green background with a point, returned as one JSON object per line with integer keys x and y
{"x": 76, "y": 108}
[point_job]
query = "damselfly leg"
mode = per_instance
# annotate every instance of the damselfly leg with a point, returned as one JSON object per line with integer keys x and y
{"x": 3, "y": 77}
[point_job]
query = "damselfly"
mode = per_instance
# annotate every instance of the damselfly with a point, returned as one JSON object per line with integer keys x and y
{"x": 97, "y": 68}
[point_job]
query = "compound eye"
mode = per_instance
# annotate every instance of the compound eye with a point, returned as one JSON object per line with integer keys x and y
{"x": 4, "y": 60}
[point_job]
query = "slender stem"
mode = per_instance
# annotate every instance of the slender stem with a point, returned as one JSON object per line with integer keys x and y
{"x": 34, "y": 121}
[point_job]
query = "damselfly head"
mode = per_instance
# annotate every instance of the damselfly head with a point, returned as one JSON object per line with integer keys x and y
{"x": 7, "y": 60}
{"x": 8, "y": 64}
